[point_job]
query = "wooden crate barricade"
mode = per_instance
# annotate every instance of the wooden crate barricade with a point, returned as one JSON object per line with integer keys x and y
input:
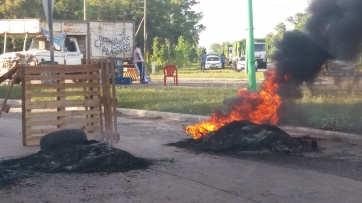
{"x": 51, "y": 101}
{"x": 131, "y": 71}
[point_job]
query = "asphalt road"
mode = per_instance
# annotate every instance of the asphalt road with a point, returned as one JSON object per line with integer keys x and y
{"x": 331, "y": 174}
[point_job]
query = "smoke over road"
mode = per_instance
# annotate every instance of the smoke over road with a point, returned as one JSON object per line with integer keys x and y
{"x": 333, "y": 30}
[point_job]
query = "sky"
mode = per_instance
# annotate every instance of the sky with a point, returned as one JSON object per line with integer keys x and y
{"x": 226, "y": 20}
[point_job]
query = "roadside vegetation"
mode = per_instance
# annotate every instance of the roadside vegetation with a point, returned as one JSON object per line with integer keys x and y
{"x": 339, "y": 110}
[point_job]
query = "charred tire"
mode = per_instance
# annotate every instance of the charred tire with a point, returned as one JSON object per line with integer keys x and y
{"x": 54, "y": 138}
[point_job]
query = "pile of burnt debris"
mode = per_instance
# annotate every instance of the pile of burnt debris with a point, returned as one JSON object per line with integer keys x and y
{"x": 72, "y": 156}
{"x": 245, "y": 136}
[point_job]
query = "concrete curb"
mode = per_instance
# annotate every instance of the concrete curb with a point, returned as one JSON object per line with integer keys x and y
{"x": 315, "y": 133}
{"x": 165, "y": 115}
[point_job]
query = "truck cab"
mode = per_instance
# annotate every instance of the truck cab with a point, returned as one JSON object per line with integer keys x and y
{"x": 68, "y": 53}
{"x": 260, "y": 54}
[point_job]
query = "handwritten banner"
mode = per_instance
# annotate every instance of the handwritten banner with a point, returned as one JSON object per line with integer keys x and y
{"x": 110, "y": 46}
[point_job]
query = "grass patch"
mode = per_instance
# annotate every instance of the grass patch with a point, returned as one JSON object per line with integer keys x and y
{"x": 194, "y": 72}
{"x": 189, "y": 100}
{"x": 324, "y": 109}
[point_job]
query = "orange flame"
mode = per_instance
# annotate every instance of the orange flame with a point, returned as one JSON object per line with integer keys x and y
{"x": 258, "y": 108}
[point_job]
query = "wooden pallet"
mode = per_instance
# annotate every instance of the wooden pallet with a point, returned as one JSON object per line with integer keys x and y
{"x": 52, "y": 102}
{"x": 131, "y": 72}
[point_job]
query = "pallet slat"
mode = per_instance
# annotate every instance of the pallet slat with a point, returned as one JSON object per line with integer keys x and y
{"x": 93, "y": 93}
{"x": 61, "y": 104}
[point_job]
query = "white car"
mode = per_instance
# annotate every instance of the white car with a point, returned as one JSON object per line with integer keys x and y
{"x": 241, "y": 64}
{"x": 212, "y": 61}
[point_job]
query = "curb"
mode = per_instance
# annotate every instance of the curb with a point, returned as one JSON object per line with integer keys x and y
{"x": 298, "y": 131}
{"x": 165, "y": 115}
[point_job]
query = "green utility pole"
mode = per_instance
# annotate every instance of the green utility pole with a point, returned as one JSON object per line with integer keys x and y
{"x": 250, "y": 49}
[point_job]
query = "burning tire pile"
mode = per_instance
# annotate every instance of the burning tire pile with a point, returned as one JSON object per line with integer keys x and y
{"x": 241, "y": 136}
{"x": 71, "y": 157}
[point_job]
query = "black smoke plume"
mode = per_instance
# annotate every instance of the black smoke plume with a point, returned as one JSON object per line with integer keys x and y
{"x": 333, "y": 31}
{"x": 336, "y": 26}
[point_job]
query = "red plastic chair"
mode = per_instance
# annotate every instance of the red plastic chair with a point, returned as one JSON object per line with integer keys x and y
{"x": 170, "y": 71}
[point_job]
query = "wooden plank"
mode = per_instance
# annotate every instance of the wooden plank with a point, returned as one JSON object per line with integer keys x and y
{"x": 33, "y": 141}
{"x": 70, "y": 113}
{"x": 108, "y": 118}
{"x": 114, "y": 103}
{"x": 65, "y": 86}
{"x": 43, "y": 131}
{"x": 61, "y": 69}
{"x": 23, "y": 112}
{"x": 60, "y": 119}
{"x": 79, "y": 76}
{"x": 58, "y": 104}
{"x": 31, "y": 94}
{"x": 32, "y": 123}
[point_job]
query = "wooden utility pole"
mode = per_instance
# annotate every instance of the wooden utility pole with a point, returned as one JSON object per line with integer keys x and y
{"x": 84, "y": 9}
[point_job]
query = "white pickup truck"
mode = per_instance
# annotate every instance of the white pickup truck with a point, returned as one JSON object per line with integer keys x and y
{"x": 38, "y": 52}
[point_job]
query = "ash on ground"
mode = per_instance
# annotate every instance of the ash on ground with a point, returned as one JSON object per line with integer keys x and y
{"x": 245, "y": 136}
{"x": 71, "y": 157}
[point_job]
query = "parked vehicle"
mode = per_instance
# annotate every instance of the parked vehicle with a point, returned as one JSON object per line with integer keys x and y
{"x": 260, "y": 54}
{"x": 242, "y": 64}
{"x": 79, "y": 40}
{"x": 212, "y": 61}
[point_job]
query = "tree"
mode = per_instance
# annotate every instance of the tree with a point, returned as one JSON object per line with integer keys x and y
{"x": 281, "y": 28}
{"x": 270, "y": 43}
{"x": 172, "y": 19}
{"x": 216, "y": 48}
{"x": 298, "y": 20}
{"x": 68, "y": 9}
{"x": 10, "y": 9}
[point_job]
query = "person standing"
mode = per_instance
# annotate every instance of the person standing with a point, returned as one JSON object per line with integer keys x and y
{"x": 139, "y": 62}
{"x": 222, "y": 59}
{"x": 203, "y": 61}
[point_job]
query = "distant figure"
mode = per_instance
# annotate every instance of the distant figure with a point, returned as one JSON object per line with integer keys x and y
{"x": 14, "y": 44}
{"x": 222, "y": 59}
{"x": 235, "y": 63}
{"x": 139, "y": 62}
{"x": 203, "y": 61}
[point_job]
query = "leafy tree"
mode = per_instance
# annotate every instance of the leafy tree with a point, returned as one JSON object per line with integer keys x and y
{"x": 281, "y": 28}
{"x": 68, "y": 9}
{"x": 298, "y": 20}
{"x": 10, "y": 9}
{"x": 217, "y": 48}
{"x": 157, "y": 54}
{"x": 269, "y": 42}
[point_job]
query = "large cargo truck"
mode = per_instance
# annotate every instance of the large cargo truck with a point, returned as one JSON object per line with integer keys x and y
{"x": 77, "y": 40}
